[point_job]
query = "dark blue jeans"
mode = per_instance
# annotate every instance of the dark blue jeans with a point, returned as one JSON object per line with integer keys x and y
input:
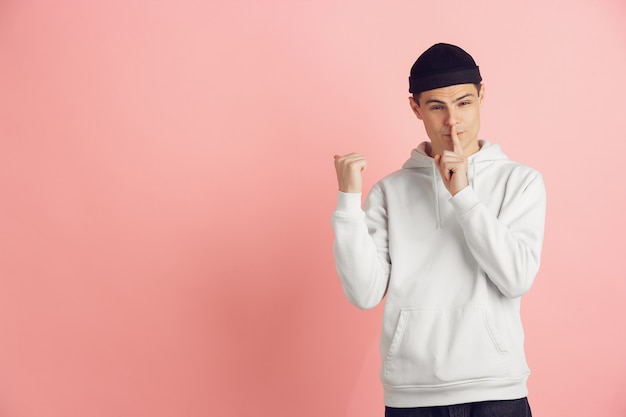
{"x": 504, "y": 408}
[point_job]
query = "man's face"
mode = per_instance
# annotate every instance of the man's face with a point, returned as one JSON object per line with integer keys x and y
{"x": 457, "y": 105}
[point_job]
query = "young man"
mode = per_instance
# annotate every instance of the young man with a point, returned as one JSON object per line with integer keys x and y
{"x": 451, "y": 241}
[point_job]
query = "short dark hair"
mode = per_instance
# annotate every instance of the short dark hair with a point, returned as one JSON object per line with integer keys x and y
{"x": 417, "y": 96}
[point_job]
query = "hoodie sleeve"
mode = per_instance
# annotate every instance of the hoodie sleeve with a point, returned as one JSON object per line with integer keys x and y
{"x": 507, "y": 246}
{"x": 361, "y": 247}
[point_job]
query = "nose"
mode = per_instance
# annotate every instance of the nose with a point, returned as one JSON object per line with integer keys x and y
{"x": 451, "y": 118}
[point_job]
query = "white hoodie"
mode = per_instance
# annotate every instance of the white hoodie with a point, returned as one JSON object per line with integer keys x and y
{"x": 453, "y": 270}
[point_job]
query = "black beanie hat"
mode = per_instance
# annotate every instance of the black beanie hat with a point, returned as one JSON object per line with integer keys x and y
{"x": 443, "y": 65}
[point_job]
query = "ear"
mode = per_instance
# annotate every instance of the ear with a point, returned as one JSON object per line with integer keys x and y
{"x": 415, "y": 107}
{"x": 481, "y": 93}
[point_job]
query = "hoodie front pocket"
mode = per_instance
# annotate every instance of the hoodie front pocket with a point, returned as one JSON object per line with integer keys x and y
{"x": 434, "y": 347}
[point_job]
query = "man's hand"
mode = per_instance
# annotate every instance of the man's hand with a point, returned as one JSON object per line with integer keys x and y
{"x": 349, "y": 168}
{"x": 453, "y": 165}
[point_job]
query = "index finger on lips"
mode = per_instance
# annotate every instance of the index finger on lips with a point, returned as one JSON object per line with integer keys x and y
{"x": 456, "y": 143}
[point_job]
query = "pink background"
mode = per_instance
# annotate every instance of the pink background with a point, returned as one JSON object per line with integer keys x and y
{"x": 166, "y": 188}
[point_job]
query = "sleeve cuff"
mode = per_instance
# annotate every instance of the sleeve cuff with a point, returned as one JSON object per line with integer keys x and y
{"x": 349, "y": 202}
{"x": 465, "y": 200}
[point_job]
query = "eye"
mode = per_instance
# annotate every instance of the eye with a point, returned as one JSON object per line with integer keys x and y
{"x": 465, "y": 103}
{"x": 436, "y": 107}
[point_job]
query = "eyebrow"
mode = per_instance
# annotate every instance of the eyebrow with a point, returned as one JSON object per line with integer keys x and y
{"x": 454, "y": 101}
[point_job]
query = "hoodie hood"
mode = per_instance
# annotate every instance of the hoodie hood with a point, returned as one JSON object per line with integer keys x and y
{"x": 420, "y": 158}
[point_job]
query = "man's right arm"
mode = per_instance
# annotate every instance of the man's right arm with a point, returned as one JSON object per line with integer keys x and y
{"x": 360, "y": 247}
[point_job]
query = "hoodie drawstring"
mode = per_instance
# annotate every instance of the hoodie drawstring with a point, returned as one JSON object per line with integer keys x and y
{"x": 473, "y": 176}
{"x": 436, "y": 190}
